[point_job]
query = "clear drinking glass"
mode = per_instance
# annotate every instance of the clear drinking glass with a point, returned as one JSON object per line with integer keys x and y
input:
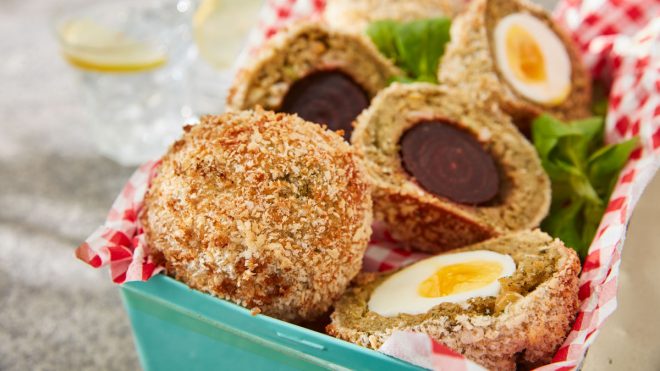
{"x": 221, "y": 29}
{"x": 133, "y": 61}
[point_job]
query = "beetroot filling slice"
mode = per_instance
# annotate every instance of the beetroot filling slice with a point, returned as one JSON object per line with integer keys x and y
{"x": 449, "y": 162}
{"x": 327, "y": 97}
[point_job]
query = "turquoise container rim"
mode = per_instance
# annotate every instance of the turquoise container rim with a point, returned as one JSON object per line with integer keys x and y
{"x": 162, "y": 296}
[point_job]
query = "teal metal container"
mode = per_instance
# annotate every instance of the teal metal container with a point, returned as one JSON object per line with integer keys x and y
{"x": 177, "y": 328}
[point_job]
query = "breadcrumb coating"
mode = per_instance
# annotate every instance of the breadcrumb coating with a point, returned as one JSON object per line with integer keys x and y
{"x": 265, "y": 210}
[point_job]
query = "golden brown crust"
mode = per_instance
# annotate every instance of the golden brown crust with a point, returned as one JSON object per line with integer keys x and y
{"x": 433, "y": 223}
{"x": 528, "y": 331}
{"x": 469, "y": 62}
{"x": 302, "y": 49}
{"x": 266, "y": 210}
{"x": 356, "y": 15}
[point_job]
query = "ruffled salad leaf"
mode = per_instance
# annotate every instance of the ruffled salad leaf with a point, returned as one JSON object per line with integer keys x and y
{"x": 415, "y": 47}
{"x": 583, "y": 172}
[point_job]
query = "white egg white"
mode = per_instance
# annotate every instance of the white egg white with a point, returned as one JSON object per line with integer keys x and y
{"x": 398, "y": 293}
{"x": 557, "y": 64}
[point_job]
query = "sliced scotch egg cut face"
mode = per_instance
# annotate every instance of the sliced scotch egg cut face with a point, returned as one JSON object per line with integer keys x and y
{"x": 329, "y": 98}
{"x": 449, "y": 162}
{"x": 532, "y": 59}
{"x": 449, "y": 278}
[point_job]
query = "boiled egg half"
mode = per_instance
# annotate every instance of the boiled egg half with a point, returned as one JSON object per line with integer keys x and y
{"x": 533, "y": 59}
{"x": 448, "y": 278}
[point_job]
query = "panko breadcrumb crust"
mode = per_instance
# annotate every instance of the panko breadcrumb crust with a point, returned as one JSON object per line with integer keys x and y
{"x": 469, "y": 62}
{"x": 300, "y": 50}
{"x": 356, "y": 15}
{"x": 526, "y": 333}
{"x": 265, "y": 210}
{"x": 431, "y": 223}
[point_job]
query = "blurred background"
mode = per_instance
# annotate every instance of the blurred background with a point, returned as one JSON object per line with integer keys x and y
{"x": 69, "y": 139}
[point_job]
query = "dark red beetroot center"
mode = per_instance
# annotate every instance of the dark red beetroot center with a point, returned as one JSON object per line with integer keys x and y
{"x": 327, "y": 97}
{"x": 449, "y": 162}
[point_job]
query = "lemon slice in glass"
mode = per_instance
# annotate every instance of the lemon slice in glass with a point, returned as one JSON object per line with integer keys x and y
{"x": 91, "y": 46}
{"x": 221, "y": 28}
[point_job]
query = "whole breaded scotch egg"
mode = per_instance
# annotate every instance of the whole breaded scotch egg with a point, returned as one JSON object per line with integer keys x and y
{"x": 266, "y": 210}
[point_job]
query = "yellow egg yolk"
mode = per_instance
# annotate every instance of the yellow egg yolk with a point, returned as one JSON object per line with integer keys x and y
{"x": 457, "y": 278}
{"x": 524, "y": 55}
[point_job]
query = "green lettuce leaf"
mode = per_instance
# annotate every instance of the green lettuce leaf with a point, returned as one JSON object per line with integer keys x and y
{"x": 599, "y": 101}
{"x": 583, "y": 173}
{"x": 605, "y": 164}
{"x": 416, "y": 47}
{"x": 563, "y": 222}
{"x": 382, "y": 33}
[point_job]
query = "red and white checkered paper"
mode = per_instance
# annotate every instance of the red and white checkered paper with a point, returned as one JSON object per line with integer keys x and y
{"x": 620, "y": 42}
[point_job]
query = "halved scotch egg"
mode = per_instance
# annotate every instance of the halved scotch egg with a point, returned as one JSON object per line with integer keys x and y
{"x": 448, "y": 170}
{"x": 326, "y": 76}
{"x": 533, "y": 59}
{"x": 512, "y": 50}
{"x": 450, "y": 278}
{"x": 505, "y": 303}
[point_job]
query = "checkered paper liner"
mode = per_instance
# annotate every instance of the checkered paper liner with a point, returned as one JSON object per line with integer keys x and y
{"x": 620, "y": 42}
